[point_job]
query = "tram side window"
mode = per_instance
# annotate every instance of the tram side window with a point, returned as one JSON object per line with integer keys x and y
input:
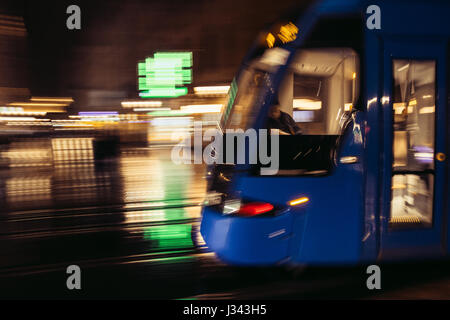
{"x": 413, "y": 143}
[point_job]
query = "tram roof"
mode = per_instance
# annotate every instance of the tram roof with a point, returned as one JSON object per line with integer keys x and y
{"x": 398, "y": 16}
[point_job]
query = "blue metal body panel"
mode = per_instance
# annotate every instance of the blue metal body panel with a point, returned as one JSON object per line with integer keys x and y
{"x": 248, "y": 241}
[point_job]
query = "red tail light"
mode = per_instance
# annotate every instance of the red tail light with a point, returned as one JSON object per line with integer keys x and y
{"x": 254, "y": 208}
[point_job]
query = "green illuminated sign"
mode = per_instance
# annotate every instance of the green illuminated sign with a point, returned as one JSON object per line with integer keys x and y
{"x": 164, "y": 75}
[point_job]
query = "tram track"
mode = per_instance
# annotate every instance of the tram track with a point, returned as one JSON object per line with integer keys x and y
{"x": 151, "y": 257}
{"x": 130, "y": 206}
{"x": 87, "y": 220}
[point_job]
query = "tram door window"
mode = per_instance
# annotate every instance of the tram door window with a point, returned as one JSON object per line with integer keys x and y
{"x": 413, "y": 143}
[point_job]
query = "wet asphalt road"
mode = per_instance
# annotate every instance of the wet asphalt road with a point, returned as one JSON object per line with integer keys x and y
{"x": 131, "y": 224}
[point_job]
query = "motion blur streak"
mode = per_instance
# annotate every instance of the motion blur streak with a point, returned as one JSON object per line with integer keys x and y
{"x": 138, "y": 198}
{"x": 86, "y": 132}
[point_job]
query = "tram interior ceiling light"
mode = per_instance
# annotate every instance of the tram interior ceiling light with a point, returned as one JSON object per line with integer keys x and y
{"x": 307, "y": 104}
{"x": 406, "y": 66}
{"x": 425, "y": 110}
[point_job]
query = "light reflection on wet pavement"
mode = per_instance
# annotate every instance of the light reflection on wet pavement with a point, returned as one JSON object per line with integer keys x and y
{"x": 137, "y": 206}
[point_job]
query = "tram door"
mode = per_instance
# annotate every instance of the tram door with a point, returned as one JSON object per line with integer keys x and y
{"x": 414, "y": 144}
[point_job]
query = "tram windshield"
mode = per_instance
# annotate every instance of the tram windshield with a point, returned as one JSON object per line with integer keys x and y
{"x": 315, "y": 100}
{"x": 318, "y": 91}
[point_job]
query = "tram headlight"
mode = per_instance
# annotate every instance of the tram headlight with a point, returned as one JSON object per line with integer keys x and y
{"x": 231, "y": 206}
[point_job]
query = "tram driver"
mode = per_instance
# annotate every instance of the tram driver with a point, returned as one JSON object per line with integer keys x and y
{"x": 282, "y": 121}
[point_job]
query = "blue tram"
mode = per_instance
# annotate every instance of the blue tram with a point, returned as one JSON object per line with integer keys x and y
{"x": 367, "y": 82}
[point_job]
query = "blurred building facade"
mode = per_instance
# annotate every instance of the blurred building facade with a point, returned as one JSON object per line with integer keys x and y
{"x": 14, "y": 58}
{"x": 97, "y": 64}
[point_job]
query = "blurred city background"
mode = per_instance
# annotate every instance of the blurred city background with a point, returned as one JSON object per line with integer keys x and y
{"x": 75, "y": 125}
{"x": 85, "y": 170}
